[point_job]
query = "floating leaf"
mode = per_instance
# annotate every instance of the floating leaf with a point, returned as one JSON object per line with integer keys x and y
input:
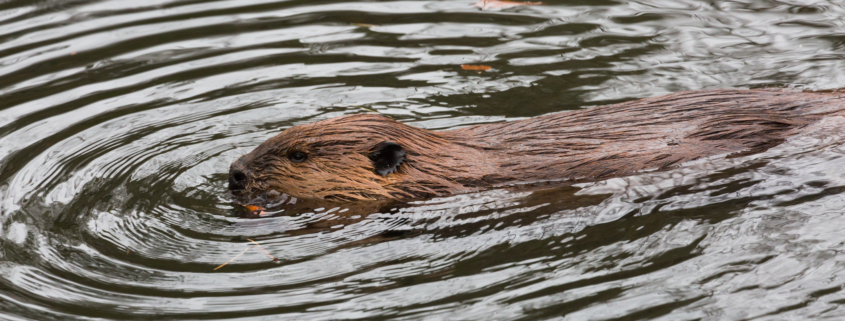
{"x": 476, "y": 67}
{"x": 500, "y": 4}
{"x": 254, "y": 208}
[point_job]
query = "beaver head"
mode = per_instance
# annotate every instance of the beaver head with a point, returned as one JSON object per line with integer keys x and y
{"x": 356, "y": 157}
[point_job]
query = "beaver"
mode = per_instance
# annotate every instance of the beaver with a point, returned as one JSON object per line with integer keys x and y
{"x": 372, "y": 157}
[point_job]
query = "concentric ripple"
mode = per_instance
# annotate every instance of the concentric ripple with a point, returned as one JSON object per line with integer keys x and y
{"x": 119, "y": 119}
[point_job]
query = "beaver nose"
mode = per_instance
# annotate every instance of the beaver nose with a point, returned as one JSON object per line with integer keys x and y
{"x": 237, "y": 179}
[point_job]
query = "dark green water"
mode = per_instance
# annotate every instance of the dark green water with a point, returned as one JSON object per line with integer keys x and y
{"x": 118, "y": 121}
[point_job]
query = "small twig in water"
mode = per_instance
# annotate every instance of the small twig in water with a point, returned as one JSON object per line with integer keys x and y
{"x": 230, "y": 261}
{"x": 373, "y": 111}
{"x": 265, "y": 251}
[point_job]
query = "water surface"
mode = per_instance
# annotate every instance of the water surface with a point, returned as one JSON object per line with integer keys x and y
{"x": 118, "y": 120}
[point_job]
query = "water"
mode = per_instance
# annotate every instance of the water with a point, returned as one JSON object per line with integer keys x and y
{"x": 118, "y": 120}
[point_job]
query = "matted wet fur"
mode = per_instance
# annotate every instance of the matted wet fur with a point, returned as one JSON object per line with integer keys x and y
{"x": 573, "y": 146}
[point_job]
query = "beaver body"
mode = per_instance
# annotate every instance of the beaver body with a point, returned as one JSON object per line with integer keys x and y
{"x": 368, "y": 156}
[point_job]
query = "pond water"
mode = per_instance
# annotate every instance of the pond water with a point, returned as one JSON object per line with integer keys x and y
{"x": 119, "y": 119}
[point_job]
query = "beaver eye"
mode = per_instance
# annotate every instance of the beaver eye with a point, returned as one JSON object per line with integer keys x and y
{"x": 297, "y": 157}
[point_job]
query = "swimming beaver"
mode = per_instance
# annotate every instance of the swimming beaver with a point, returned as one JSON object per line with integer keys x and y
{"x": 369, "y": 156}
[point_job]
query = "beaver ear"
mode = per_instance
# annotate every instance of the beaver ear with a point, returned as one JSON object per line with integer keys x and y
{"x": 386, "y": 157}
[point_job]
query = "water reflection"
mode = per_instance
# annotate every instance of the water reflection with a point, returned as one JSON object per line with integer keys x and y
{"x": 118, "y": 121}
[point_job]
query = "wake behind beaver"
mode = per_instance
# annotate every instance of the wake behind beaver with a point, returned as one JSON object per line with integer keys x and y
{"x": 371, "y": 157}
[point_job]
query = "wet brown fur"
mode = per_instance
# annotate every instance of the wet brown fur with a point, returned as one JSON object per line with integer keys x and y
{"x": 573, "y": 146}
